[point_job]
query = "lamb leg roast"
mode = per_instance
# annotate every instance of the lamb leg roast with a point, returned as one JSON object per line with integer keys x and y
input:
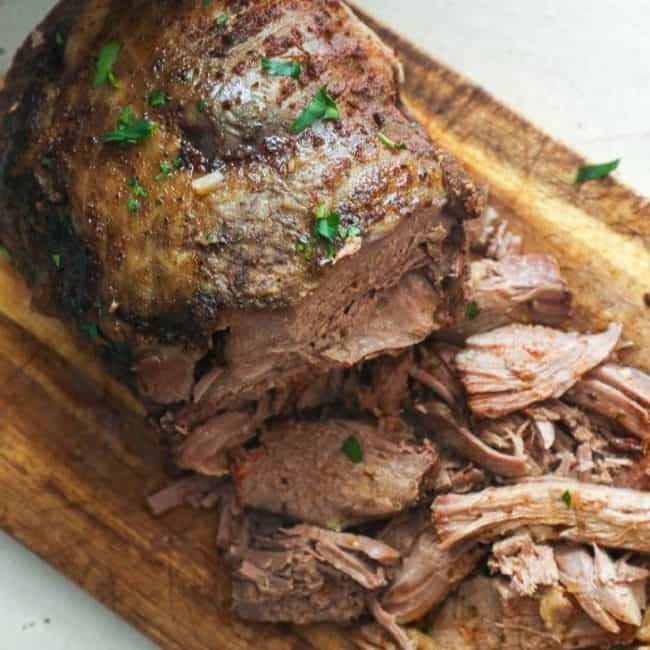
{"x": 230, "y": 198}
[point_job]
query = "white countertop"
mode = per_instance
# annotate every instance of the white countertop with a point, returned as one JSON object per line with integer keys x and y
{"x": 579, "y": 69}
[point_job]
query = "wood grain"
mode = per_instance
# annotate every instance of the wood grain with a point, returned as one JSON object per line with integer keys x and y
{"x": 77, "y": 458}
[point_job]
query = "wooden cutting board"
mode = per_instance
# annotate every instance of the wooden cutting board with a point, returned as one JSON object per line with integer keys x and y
{"x": 77, "y": 457}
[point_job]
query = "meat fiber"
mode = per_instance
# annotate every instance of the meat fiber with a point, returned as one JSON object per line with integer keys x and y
{"x": 427, "y": 574}
{"x": 226, "y": 251}
{"x": 619, "y": 393}
{"x": 510, "y": 368}
{"x": 306, "y": 575}
{"x": 580, "y": 512}
{"x": 516, "y": 288}
{"x": 301, "y": 470}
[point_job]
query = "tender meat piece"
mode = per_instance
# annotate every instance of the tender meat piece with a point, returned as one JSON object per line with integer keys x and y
{"x": 579, "y": 512}
{"x": 445, "y": 429}
{"x": 516, "y": 288}
{"x": 607, "y": 593}
{"x": 455, "y": 474}
{"x": 619, "y": 393}
{"x": 388, "y": 390}
{"x": 190, "y": 234}
{"x": 200, "y": 490}
{"x": 301, "y": 470}
{"x": 512, "y": 367}
{"x": 391, "y": 627}
{"x": 373, "y": 637}
{"x": 486, "y": 614}
{"x": 427, "y": 574}
{"x": 307, "y": 575}
{"x": 490, "y": 235}
{"x": 529, "y": 566}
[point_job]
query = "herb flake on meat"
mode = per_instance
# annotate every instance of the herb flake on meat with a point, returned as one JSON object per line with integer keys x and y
{"x": 472, "y": 310}
{"x": 105, "y": 63}
{"x": 352, "y": 449}
{"x": 157, "y": 99}
{"x": 321, "y": 107}
{"x": 277, "y": 68}
{"x": 131, "y": 130}
{"x": 566, "y": 498}
{"x": 391, "y": 144}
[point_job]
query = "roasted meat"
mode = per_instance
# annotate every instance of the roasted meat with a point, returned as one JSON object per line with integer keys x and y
{"x": 300, "y": 471}
{"x": 231, "y": 229}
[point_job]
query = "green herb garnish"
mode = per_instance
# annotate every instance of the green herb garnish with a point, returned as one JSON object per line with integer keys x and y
{"x": 321, "y": 107}
{"x": 472, "y": 310}
{"x": 90, "y": 330}
{"x": 391, "y": 144}
{"x": 207, "y": 3}
{"x": 282, "y": 68}
{"x": 59, "y": 40}
{"x": 166, "y": 170}
{"x": 221, "y": 22}
{"x": 157, "y": 99}
{"x": 327, "y": 227}
{"x": 566, "y": 498}
{"x": 594, "y": 172}
{"x": 133, "y": 205}
{"x": 105, "y": 63}
{"x": 4, "y": 253}
{"x": 46, "y": 163}
{"x": 201, "y": 105}
{"x": 131, "y": 130}
{"x": 352, "y": 449}
{"x": 138, "y": 190}
{"x": 56, "y": 258}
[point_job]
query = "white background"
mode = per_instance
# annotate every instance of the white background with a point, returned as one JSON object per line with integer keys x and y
{"x": 580, "y": 69}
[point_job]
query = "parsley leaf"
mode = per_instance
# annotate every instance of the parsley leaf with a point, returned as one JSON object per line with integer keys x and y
{"x": 391, "y": 144}
{"x": 56, "y": 258}
{"x": 130, "y": 130}
{"x": 133, "y": 205}
{"x": 105, "y": 62}
{"x": 46, "y": 162}
{"x": 89, "y": 329}
{"x": 4, "y": 253}
{"x": 138, "y": 190}
{"x": 321, "y": 107}
{"x": 157, "y": 99}
{"x": 472, "y": 310}
{"x": 594, "y": 172}
{"x": 221, "y": 22}
{"x": 59, "y": 40}
{"x": 207, "y": 3}
{"x": 282, "y": 68}
{"x": 201, "y": 105}
{"x": 566, "y": 498}
{"x": 352, "y": 449}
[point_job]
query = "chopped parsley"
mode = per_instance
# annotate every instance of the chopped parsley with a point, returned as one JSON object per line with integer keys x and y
{"x": 594, "y": 172}
{"x": 90, "y": 330}
{"x": 391, "y": 144}
{"x": 59, "y": 40}
{"x": 201, "y": 105}
{"x": 352, "y": 449}
{"x": 130, "y": 130}
{"x": 321, "y": 107}
{"x": 46, "y": 162}
{"x": 167, "y": 169}
{"x": 133, "y": 205}
{"x": 157, "y": 99}
{"x": 472, "y": 310}
{"x": 220, "y": 22}
{"x": 4, "y": 253}
{"x": 566, "y": 498}
{"x": 56, "y": 258}
{"x": 105, "y": 62}
{"x": 277, "y": 68}
{"x": 138, "y": 190}
{"x": 327, "y": 227}
{"x": 207, "y": 3}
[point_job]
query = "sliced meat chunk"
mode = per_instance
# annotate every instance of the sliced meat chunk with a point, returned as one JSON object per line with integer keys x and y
{"x": 516, "y": 288}
{"x": 427, "y": 574}
{"x": 580, "y": 512}
{"x": 301, "y": 470}
{"x": 619, "y": 393}
{"x": 512, "y": 367}
{"x": 307, "y": 575}
{"x": 487, "y": 614}
{"x": 529, "y": 566}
